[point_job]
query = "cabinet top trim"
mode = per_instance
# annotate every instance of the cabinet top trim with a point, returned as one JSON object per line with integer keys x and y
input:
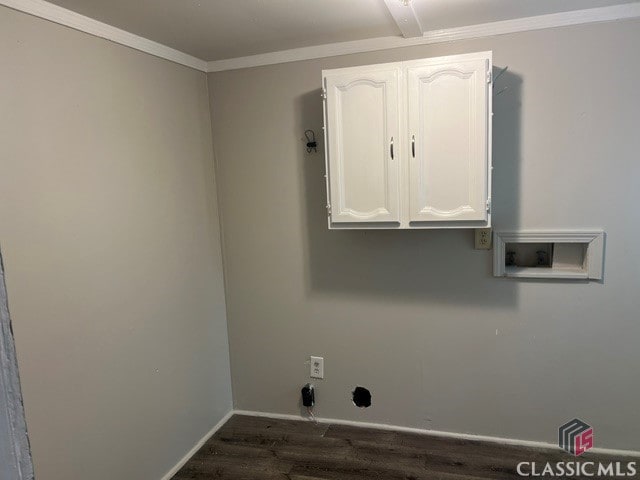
{"x": 466, "y": 57}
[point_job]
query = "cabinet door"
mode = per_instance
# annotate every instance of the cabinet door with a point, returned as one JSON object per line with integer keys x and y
{"x": 448, "y": 107}
{"x": 362, "y": 142}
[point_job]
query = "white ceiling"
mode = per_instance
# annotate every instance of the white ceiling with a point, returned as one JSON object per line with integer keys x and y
{"x": 221, "y": 29}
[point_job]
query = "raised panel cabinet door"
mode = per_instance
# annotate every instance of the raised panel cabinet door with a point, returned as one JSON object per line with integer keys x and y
{"x": 448, "y": 128}
{"x": 362, "y": 141}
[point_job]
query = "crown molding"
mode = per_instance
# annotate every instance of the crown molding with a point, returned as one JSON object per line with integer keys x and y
{"x": 539, "y": 22}
{"x": 68, "y": 18}
{"x": 62, "y": 16}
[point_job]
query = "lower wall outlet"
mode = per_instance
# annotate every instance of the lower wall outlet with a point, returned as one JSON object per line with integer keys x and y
{"x": 316, "y": 367}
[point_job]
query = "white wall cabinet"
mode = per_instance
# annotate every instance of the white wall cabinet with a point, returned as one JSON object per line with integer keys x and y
{"x": 365, "y": 183}
{"x": 408, "y": 144}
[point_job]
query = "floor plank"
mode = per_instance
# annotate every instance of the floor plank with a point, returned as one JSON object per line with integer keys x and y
{"x": 257, "y": 448}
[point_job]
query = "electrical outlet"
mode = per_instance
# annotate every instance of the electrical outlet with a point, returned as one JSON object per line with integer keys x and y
{"x": 483, "y": 238}
{"x": 316, "y": 367}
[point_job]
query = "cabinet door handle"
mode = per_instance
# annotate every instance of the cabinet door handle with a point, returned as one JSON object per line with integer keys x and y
{"x": 413, "y": 146}
{"x": 391, "y": 148}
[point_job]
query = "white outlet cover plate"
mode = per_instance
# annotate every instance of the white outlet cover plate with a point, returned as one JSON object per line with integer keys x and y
{"x": 316, "y": 367}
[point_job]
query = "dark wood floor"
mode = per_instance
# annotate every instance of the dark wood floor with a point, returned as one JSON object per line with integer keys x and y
{"x": 253, "y": 448}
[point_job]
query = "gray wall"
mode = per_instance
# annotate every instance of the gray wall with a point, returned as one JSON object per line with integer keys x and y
{"x": 110, "y": 237}
{"x": 416, "y": 316}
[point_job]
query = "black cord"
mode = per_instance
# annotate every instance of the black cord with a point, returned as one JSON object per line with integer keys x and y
{"x": 311, "y": 141}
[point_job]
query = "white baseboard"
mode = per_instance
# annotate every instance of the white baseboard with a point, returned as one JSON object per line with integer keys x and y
{"x": 437, "y": 433}
{"x": 169, "y": 475}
